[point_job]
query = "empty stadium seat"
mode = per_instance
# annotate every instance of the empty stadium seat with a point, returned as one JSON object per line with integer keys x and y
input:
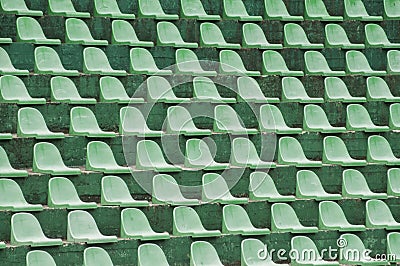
{"x": 95, "y": 61}
{"x": 26, "y": 231}
{"x": 29, "y": 30}
{"x": 93, "y": 256}
{"x": 378, "y": 215}
{"x": 82, "y": 228}
{"x": 186, "y": 222}
{"x": 132, "y": 122}
{"x": 65, "y": 8}
{"x": 393, "y": 244}
{"x": 153, "y": 9}
{"x": 211, "y": 36}
{"x": 284, "y": 219}
{"x": 295, "y": 37}
{"x": 262, "y": 187}
{"x": 332, "y": 217}
{"x": 7, "y": 67}
{"x": 230, "y": 63}
{"x": 355, "y": 10}
{"x": 188, "y": 63}
{"x": 134, "y": 224}
{"x": 378, "y": 90}
{"x": 394, "y": 122}
{"x": 47, "y": 61}
{"x": 357, "y": 64}
{"x": 290, "y": 152}
{"x": 271, "y": 120}
{"x": 274, "y": 64}
{"x": 204, "y": 90}
{"x": 336, "y": 91}
{"x": 115, "y": 192}
{"x": 235, "y": 9}
{"x": 12, "y": 198}
{"x": 358, "y": 119}
{"x": 304, "y": 245}
{"x": 309, "y": 187}
{"x": 112, "y": 91}
{"x": 235, "y": 220}
{"x": 393, "y": 184}
{"x": 316, "y": 64}
{"x": 166, "y": 191}
{"x": 375, "y": 36}
{"x": 142, "y": 62}
{"x": 215, "y": 189}
{"x": 13, "y": 90}
{"x": 198, "y": 156}
{"x": 39, "y": 258}
{"x": 160, "y": 90}
{"x": 151, "y": 254}
{"x": 18, "y": 7}
{"x": 32, "y": 124}
{"x": 76, "y": 31}
{"x": 179, "y": 121}
{"x": 168, "y": 35}
{"x": 315, "y": 119}
{"x": 109, "y": 8}
{"x": 150, "y": 157}
{"x": 193, "y": 9}
{"x": 276, "y": 10}
{"x": 249, "y": 91}
{"x": 226, "y": 120}
{"x": 63, "y": 90}
{"x": 99, "y": 157}
{"x": 254, "y": 252}
{"x": 203, "y": 253}
{"x": 354, "y": 185}
{"x": 124, "y": 34}
{"x": 293, "y": 91}
{"x": 244, "y": 154}
{"x": 83, "y": 122}
{"x": 316, "y": 10}
{"x": 254, "y": 37}
{"x": 335, "y": 152}
{"x": 393, "y": 62}
{"x": 63, "y": 195}
{"x": 391, "y": 9}
{"x": 6, "y": 170}
{"x": 336, "y": 37}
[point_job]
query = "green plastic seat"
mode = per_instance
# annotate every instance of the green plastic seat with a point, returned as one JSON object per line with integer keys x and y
{"x": 316, "y": 10}
{"x": 150, "y": 157}
{"x": 393, "y": 182}
{"x": 309, "y": 187}
{"x": 132, "y": 122}
{"x": 274, "y": 64}
{"x": 393, "y": 65}
{"x": 110, "y": 9}
{"x": 250, "y": 253}
{"x": 355, "y": 186}
{"x": 168, "y": 35}
{"x": 153, "y": 9}
{"x": 63, "y": 195}
{"x": 211, "y": 36}
{"x": 13, "y": 90}
{"x": 113, "y": 91}
{"x": 203, "y": 253}
{"x": 83, "y": 122}
{"x": 293, "y": 91}
{"x": 198, "y": 156}
{"x": 379, "y": 216}
{"x": 179, "y": 121}
{"x": 316, "y": 64}
{"x": 124, "y": 34}
{"x": 230, "y": 63}
{"x": 315, "y": 120}
{"x": 12, "y": 198}
{"x": 335, "y": 152}
{"x": 6, "y": 170}
{"x": 215, "y": 189}
{"x": 249, "y": 91}
{"x": 134, "y": 224}
{"x": 193, "y": 9}
{"x": 95, "y": 256}
{"x": 393, "y": 245}
{"x": 26, "y": 231}
{"x": 63, "y": 90}
{"x": 47, "y": 160}
{"x": 262, "y": 187}
{"x": 336, "y": 91}
{"x": 254, "y": 37}
{"x": 7, "y": 67}
{"x": 204, "y": 90}
{"x": 160, "y": 90}
{"x": 355, "y": 10}
{"x": 77, "y": 32}
{"x": 375, "y": 36}
{"x": 358, "y": 119}
{"x": 391, "y": 12}
{"x": 271, "y": 120}
{"x": 39, "y": 258}
{"x": 5, "y": 40}
{"x": 378, "y": 90}
{"x": 235, "y": 9}
{"x": 29, "y": 30}
{"x": 95, "y": 61}
{"x": 166, "y": 191}
{"x": 336, "y": 37}
{"x": 304, "y": 245}
{"x": 99, "y": 157}
{"x": 151, "y": 254}
{"x": 295, "y": 37}
{"x": 5, "y": 136}
{"x": 82, "y": 228}
{"x": 276, "y": 10}
{"x": 394, "y": 119}
{"x": 32, "y": 124}
{"x": 290, "y": 152}
{"x": 188, "y": 63}
{"x": 186, "y": 222}
{"x": 115, "y": 192}
{"x": 244, "y": 154}
{"x": 47, "y": 61}
{"x": 284, "y": 219}
{"x": 379, "y": 151}
{"x": 332, "y": 217}
{"x": 235, "y": 220}
{"x": 65, "y": 8}
{"x": 226, "y": 120}
{"x": 18, "y": 7}
{"x": 142, "y": 62}
{"x": 357, "y": 64}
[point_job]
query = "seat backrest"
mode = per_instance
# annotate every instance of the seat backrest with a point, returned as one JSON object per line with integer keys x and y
{"x": 39, "y": 258}
{"x": 294, "y": 33}
{"x": 315, "y": 117}
{"x": 83, "y": 119}
{"x": 159, "y": 88}
{"x": 304, "y": 245}
{"x": 114, "y": 188}
{"x": 95, "y": 58}
{"x": 13, "y": 5}
{"x": 308, "y": 183}
{"x": 12, "y": 87}
{"x": 4, "y": 161}
{"x": 293, "y": 88}
{"x": 315, "y": 8}
{"x": 336, "y": 88}
{"x": 275, "y": 8}
{"x": 378, "y": 212}
{"x": 378, "y": 88}
{"x": 379, "y": 146}
{"x": 151, "y": 254}
{"x": 335, "y": 34}
{"x": 358, "y": 114}
{"x": 47, "y": 58}
{"x": 94, "y": 256}
{"x": 122, "y": 30}
{"x": 226, "y": 117}
{"x": 149, "y": 153}
{"x": 375, "y": 34}
{"x": 315, "y": 61}
{"x": 26, "y": 226}
{"x": 165, "y": 188}
{"x": 236, "y": 217}
{"x": 290, "y": 149}
{"x": 262, "y": 184}
{"x": 271, "y": 117}
{"x": 234, "y": 8}
{"x": 354, "y": 243}
{"x": 29, "y": 28}
{"x": 197, "y": 151}
{"x": 203, "y": 253}
{"x": 334, "y": 147}
{"x": 357, "y": 61}
{"x": 99, "y": 154}
{"x": 192, "y": 7}
{"x": 330, "y": 213}
{"x": 61, "y": 6}
{"x": 76, "y": 29}
{"x": 210, "y": 33}
{"x": 187, "y": 219}
{"x": 393, "y": 58}
{"x": 106, "y": 6}
{"x": 354, "y": 182}
{"x": 187, "y": 58}
{"x": 46, "y": 155}
{"x": 244, "y": 151}
{"x": 231, "y": 61}
{"x": 131, "y": 119}
{"x": 10, "y": 193}
{"x": 62, "y": 190}
{"x": 168, "y": 32}
{"x": 205, "y": 87}
{"x": 393, "y": 243}
{"x": 141, "y": 59}
{"x": 250, "y": 252}
{"x": 179, "y": 118}
{"x": 273, "y": 60}
{"x": 5, "y": 60}
{"x": 393, "y": 180}
{"x": 112, "y": 87}
{"x": 391, "y": 8}
{"x": 252, "y": 33}
{"x": 31, "y": 120}
{"x": 283, "y": 215}
{"x": 134, "y": 221}
{"x": 81, "y": 224}
{"x": 63, "y": 88}
{"x": 150, "y": 7}
{"x": 354, "y": 8}
{"x": 214, "y": 186}
{"x": 248, "y": 88}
